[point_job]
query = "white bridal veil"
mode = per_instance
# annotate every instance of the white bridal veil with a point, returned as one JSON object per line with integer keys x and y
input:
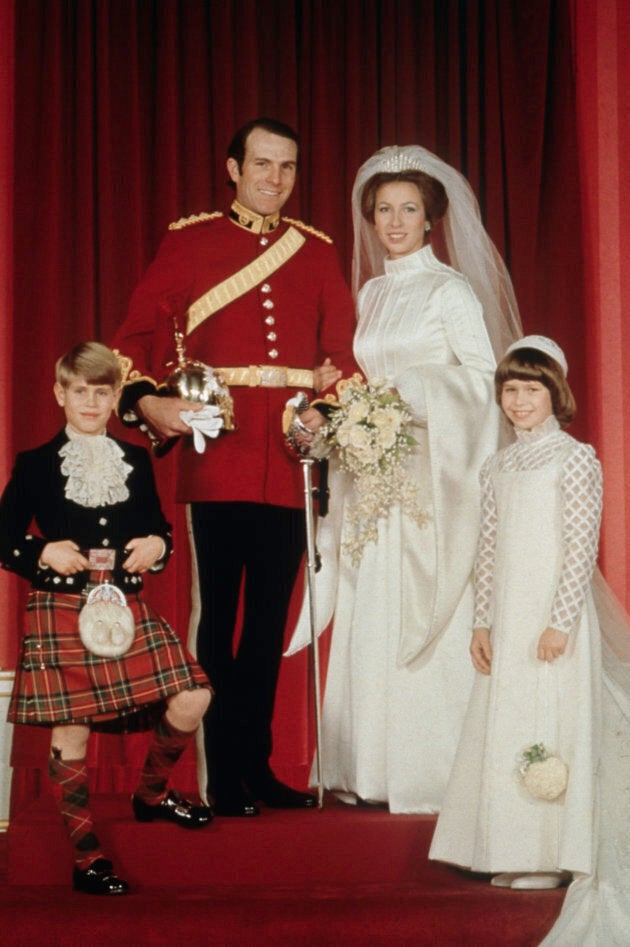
{"x": 470, "y": 249}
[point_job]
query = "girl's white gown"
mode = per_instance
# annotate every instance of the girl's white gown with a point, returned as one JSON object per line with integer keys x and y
{"x": 542, "y": 503}
{"x": 399, "y": 673}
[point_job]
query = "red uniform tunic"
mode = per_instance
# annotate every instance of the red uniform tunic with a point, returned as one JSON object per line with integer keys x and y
{"x": 246, "y": 484}
{"x": 300, "y": 314}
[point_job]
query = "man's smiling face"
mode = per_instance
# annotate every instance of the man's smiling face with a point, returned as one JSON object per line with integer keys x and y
{"x": 265, "y": 181}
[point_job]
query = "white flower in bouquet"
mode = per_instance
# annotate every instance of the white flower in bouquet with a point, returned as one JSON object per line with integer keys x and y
{"x": 360, "y": 441}
{"x": 371, "y": 431}
{"x": 388, "y": 422}
{"x": 544, "y": 775}
{"x": 344, "y": 433}
{"x": 357, "y": 411}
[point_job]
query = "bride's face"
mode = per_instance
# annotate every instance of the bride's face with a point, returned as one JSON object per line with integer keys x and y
{"x": 399, "y": 218}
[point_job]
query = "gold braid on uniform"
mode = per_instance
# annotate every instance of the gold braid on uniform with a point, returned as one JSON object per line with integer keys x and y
{"x": 354, "y": 380}
{"x": 194, "y": 219}
{"x": 332, "y": 400}
{"x": 125, "y": 365}
{"x": 308, "y": 229}
{"x": 132, "y": 375}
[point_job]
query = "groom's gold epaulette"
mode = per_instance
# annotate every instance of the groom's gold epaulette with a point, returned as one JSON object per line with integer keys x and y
{"x": 308, "y": 229}
{"x": 194, "y": 219}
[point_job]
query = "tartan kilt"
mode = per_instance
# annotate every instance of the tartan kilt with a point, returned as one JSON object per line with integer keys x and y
{"x": 58, "y": 681}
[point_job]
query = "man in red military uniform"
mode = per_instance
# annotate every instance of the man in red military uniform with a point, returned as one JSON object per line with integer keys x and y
{"x": 261, "y": 299}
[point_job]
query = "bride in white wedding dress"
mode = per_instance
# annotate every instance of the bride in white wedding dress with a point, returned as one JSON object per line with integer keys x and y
{"x": 399, "y": 675}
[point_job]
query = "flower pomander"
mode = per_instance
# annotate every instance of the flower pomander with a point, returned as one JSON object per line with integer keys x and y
{"x": 371, "y": 432}
{"x": 544, "y": 775}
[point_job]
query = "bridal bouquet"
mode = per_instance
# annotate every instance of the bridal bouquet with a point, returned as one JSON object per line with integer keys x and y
{"x": 371, "y": 432}
{"x": 544, "y": 775}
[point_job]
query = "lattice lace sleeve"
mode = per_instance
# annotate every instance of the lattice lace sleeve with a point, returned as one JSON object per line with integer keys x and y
{"x": 484, "y": 563}
{"x": 582, "y": 493}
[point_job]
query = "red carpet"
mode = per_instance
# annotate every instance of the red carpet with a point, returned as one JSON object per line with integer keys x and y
{"x": 342, "y": 876}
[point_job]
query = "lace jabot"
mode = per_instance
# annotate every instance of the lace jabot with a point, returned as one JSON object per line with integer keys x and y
{"x": 96, "y": 471}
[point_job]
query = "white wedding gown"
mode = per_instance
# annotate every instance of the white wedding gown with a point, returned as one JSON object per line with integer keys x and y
{"x": 399, "y": 672}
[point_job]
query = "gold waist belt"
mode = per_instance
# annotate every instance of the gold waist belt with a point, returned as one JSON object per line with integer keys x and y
{"x": 266, "y": 376}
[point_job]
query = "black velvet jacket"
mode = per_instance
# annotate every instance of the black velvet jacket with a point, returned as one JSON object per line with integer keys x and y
{"x": 35, "y": 492}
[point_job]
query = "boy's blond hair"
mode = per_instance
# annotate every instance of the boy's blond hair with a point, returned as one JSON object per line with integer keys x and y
{"x": 92, "y": 361}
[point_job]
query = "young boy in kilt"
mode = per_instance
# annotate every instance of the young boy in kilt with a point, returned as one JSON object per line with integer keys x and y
{"x": 94, "y": 652}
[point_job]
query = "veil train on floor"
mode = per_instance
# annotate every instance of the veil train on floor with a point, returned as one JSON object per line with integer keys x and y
{"x": 596, "y": 909}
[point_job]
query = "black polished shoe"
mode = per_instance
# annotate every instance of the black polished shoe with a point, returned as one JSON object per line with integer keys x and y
{"x": 236, "y": 804}
{"x": 99, "y": 878}
{"x": 279, "y": 796}
{"x": 173, "y": 808}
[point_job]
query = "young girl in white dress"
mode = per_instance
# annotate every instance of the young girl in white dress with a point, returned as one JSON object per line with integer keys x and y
{"x": 535, "y": 642}
{"x": 544, "y": 618}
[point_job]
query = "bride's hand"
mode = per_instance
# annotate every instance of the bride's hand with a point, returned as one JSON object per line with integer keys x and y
{"x": 325, "y": 375}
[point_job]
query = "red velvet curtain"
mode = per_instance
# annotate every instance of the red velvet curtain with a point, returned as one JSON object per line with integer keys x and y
{"x": 8, "y": 590}
{"x": 123, "y": 113}
{"x": 602, "y": 40}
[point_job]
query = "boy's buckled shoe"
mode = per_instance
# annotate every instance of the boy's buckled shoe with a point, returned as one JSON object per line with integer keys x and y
{"x": 98, "y": 878}
{"x": 173, "y": 808}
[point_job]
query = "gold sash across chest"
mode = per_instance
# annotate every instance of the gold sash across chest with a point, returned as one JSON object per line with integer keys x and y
{"x": 240, "y": 283}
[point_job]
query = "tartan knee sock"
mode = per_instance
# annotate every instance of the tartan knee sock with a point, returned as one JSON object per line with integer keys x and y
{"x": 167, "y": 745}
{"x": 70, "y": 785}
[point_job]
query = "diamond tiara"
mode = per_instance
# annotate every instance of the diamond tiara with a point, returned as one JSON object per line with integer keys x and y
{"x": 402, "y": 162}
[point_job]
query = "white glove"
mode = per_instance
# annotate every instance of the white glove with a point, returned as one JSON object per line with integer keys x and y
{"x": 208, "y": 421}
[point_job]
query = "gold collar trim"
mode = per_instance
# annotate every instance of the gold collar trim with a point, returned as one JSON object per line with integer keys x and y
{"x": 248, "y": 220}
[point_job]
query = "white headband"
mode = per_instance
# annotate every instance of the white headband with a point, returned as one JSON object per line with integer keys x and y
{"x": 542, "y": 344}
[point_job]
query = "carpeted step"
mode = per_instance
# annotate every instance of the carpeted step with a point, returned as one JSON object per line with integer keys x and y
{"x": 343, "y": 875}
{"x": 337, "y": 845}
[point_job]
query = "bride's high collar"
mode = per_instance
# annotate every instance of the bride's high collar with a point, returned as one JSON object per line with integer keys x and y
{"x": 549, "y": 426}
{"x": 422, "y": 257}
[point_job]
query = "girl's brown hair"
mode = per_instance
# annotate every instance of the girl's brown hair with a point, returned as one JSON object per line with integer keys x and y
{"x": 530, "y": 364}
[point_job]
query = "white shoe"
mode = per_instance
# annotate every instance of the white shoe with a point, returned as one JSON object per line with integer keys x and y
{"x": 541, "y": 881}
{"x": 505, "y": 879}
{"x": 348, "y": 798}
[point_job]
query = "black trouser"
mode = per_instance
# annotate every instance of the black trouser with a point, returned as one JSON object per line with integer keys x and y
{"x": 260, "y": 545}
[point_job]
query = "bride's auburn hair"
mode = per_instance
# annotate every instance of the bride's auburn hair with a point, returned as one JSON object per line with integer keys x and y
{"x": 432, "y": 191}
{"x": 532, "y": 365}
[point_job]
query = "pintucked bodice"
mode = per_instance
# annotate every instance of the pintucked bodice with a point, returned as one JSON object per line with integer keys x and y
{"x": 419, "y": 312}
